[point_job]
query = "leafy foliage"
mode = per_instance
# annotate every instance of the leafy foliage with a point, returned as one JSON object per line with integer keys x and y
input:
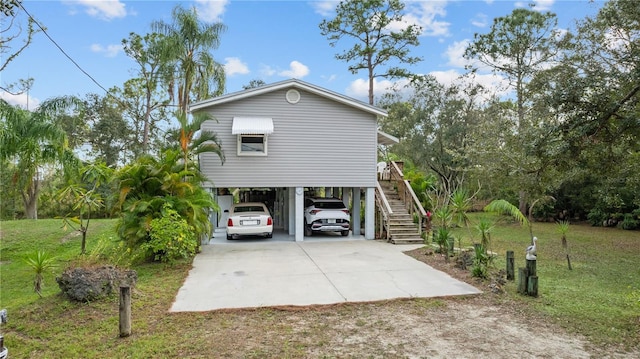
{"x": 149, "y": 184}
{"x": 171, "y": 237}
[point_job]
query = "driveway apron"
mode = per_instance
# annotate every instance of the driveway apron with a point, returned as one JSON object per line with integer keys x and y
{"x": 270, "y": 274}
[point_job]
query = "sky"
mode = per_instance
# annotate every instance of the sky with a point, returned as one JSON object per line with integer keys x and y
{"x": 264, "y": 40}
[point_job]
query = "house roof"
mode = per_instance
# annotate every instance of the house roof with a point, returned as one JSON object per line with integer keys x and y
{"x": 291, "y": 83}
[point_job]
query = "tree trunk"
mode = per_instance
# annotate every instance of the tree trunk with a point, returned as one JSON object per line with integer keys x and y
{"x": 84, "y": 242}
{"x": 30, "y": 200}
{"x": 522, "y": 202}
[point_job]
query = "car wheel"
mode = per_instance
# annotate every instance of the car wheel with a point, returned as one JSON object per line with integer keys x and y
{"x": 344, "y": 233}
{"x": 229, "y": 237}
{"x": 307, "y": 230}
{"x": 270, "y": 235}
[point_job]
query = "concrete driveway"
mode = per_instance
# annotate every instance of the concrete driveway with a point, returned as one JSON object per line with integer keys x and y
{"x": 258, "y": 273}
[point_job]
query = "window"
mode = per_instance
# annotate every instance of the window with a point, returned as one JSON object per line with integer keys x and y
{"x": 252, "y": 145}
{"x": 252, "y": 134}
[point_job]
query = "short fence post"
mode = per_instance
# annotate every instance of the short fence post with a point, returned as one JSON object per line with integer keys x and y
{"x": 523, "y": 275}
{"x": 532, "y": 286}
{"x": 125, "y": 311}
{"x": 510, "y": 266}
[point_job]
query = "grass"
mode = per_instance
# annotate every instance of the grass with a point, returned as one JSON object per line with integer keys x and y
{"x": 592, "y": 300}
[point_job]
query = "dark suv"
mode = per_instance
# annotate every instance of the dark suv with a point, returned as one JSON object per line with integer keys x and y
{"x": 325, "y": 215}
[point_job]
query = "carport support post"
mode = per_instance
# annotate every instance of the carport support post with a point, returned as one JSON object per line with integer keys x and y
{"x": 355, "y": 212}
{"x": 299, "y": 214}
{"x": 369, "y": 213}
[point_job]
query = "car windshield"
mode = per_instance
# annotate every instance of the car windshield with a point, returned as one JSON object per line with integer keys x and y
{"x": 249, "y": 209}
{"x": 330, "y": 205}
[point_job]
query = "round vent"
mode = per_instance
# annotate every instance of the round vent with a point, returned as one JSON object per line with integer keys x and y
{"x": 293, "y": 96}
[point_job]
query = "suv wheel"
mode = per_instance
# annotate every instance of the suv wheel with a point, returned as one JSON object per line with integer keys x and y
{"x": 307, "y": 230}
{"x": 344, "y": 233}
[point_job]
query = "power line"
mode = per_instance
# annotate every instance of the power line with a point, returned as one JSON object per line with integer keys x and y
{"x": 61, "y": 49}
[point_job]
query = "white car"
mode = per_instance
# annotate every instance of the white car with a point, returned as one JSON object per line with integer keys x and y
{"x": 249, "y": 219}
{"x": 325, "y": 215}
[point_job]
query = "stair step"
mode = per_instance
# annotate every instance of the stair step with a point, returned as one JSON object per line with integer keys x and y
{"x": 414, "y": 240}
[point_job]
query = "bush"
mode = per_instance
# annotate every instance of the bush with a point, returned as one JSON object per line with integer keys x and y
{"x": 597, "y": 217}
{"x": 629, "y": 222}
{"x": 172, "y": 238}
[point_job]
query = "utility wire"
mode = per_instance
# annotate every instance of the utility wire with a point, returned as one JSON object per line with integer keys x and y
{"x": 124, "y": 104}
{"x": 61, "y": 49}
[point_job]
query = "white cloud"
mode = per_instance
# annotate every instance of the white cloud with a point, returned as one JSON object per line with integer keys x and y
{"x": 296, "y": 70}
{"x": 480, "y": 20}
{"x": 455, "y": 54}
{"x": 22, "y": 100}
{"x": 359, "y": 89}
{"x": 234, "y": 65}
{"x": 267, "y": 70}
{"x": 104, "y": 9}
{"x": 424, "y": 13}
{"x": 538, "y": 5}
{"x": 324, "y": 8}
{"x": 108, "y": 51}
{"x": 210, "y": 11}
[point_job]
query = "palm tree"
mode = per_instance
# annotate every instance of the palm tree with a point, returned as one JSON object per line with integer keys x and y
{"x": 147, "y": 185}
{"x": 32, "y": 140}
{"x": 188, "y": 45}
{"x": 192, "y": 140}
{"x": 563, "y": 229}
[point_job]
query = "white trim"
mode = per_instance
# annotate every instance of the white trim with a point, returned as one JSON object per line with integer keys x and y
{"x": 250, "y": 152}
{"x": 292, "y": 83}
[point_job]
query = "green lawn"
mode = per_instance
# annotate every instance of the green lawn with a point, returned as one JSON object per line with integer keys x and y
{"x": 597, "y": 297}
{"x": 593, "y": 299}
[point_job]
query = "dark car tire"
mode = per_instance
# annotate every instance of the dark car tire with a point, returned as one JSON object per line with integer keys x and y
{"x": 307, "y": 230}
{"x": 344, "y": 233}
{"x": 270, "y": 235}
{"x": 229, "y": 237}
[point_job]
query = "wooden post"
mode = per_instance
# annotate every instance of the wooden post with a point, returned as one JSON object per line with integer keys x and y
{"x": 532, "y": 286}
{"x": 510, "y": 266}
{"x": 531, "y": 267}
{"x": 523, "y": 275}
{"x": 125, "y": 311}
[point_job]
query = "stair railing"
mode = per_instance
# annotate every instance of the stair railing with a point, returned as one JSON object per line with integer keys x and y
{"x": 384, "y": 210}
{"x": 408, "y": 197}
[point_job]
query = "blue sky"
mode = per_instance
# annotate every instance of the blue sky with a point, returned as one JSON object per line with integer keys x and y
{"x": 266, "y": 40}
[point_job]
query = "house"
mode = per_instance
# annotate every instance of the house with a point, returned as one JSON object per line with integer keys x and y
{"x": 288, "y": 139}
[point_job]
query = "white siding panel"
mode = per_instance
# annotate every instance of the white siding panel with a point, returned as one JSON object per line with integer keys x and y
{"x": 316, "y": 142}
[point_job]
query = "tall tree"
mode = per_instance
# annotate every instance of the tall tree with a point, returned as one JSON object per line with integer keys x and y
{"x": 370, "y": 24}
{"x": 594, "y": 93}
{"x": 188, "y": 45}
{"x": 146, "y": 105}
{"x": 110, "y": 136}
{"x": 32, "y": 140}
{"x": 518, "y": 46}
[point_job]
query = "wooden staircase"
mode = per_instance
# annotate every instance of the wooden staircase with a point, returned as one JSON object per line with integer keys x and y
{"x": 401, "y": 228}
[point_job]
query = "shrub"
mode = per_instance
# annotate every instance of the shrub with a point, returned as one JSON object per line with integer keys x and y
{"x": 597, "y": 217}
{"x": 629, "y": 222}
{"x": 172, "y": 238}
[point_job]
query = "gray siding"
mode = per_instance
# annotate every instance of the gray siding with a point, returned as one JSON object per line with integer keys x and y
{"x": 316, "y": 142}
